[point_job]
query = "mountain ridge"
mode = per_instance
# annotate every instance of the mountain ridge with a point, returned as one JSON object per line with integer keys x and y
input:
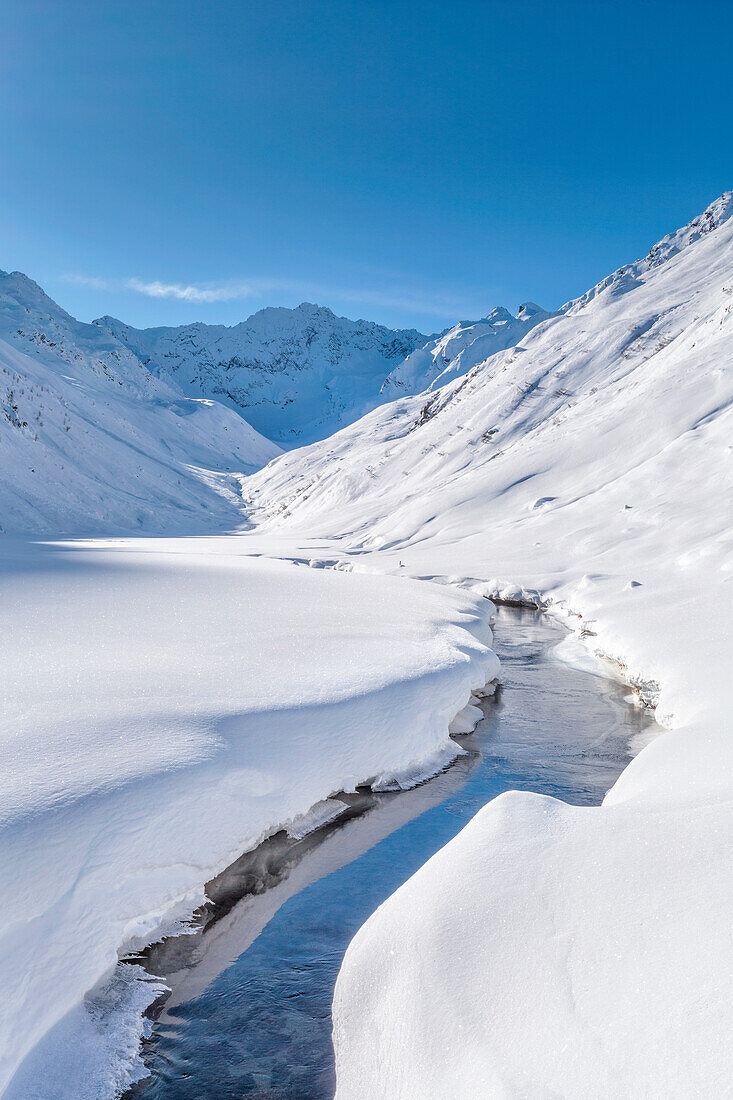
{"x": 97, "y": 437}
{"x": 295, "y": 374}
{"x": 91, "y": 442}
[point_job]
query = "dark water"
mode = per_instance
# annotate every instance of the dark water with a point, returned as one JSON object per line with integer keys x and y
{"x": 249, "y": 1014}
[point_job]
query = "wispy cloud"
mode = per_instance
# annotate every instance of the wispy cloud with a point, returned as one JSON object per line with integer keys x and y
{"x": 156, "y": 288}
{"x": 428, "y": 302}
{"x": 189, "y": 292}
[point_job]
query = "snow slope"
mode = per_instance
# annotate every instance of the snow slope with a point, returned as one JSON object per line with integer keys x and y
{"x": 461, "y": 347}
{"x": 296, "y": 374}
{"x": 100, "y": 431}
{"x": 91, "y": 441}
{"x": 550, "y": 950}
{"x": 166, "y": 704}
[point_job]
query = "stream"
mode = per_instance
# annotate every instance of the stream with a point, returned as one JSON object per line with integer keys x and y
{"x": 249, "y": 1013}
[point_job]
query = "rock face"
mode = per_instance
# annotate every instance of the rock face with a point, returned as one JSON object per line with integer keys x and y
{"x": 297, "y": 375}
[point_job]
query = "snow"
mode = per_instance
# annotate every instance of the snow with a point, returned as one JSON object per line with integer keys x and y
{"x": 91, "y": 442}
{"x": 300, "y": 374}
{"x": 454, "y": 352}
{"x": 167, "y": 703}
{"x": 170, "y": 701}
{"x": 550, "y": 950}
{"x": 534, "y": 955}
{"x": 295, "y": 374}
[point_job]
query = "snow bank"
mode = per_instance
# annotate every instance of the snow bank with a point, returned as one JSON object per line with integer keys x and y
{"x": 166, "y": 703}
{"x": 551, "y": 950}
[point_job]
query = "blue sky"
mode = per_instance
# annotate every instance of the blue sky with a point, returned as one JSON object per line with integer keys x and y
{"x": 166, "y": 161}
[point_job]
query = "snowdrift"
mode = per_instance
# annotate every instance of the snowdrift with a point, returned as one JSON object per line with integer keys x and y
{"x": 166, "y": 704}
{"x": 551, "y": 950}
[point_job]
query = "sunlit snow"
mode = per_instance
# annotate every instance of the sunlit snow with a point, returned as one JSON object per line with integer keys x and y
{"x": 170, "y": 700}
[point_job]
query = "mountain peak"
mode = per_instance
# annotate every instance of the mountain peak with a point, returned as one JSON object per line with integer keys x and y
{"x": 499, "y": 315}
{"x": 22, "y": 299}
{"x": 17, "y": 285}
{"x": 529, "y": 309}
{"x": 313, "y": 307}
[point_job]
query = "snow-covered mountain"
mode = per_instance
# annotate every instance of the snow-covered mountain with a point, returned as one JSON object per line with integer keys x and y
{"x": 455, "y": 351}
{"x": 107, "y": 428}
{"x": 296, "y": 374}
{"x": 91, "y": 441}
{"x": 589, "y": 468}
{"x": 546, "y": 422}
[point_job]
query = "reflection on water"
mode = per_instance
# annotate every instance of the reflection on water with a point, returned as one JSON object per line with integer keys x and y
{"x": 249, "y": 1012}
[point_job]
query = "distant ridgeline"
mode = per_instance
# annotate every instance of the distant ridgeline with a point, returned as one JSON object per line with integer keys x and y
{"x": 109, "y": 429}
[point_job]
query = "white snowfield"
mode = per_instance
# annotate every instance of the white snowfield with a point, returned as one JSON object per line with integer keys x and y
{"x": 166, "y": 704}
{"x": 549, "y": 950}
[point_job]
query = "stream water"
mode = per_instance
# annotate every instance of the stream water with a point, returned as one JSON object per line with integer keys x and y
{"x": 249, "y": 1010}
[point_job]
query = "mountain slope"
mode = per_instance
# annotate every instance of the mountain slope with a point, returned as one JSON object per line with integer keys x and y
{"x": 90, "y": 441}
{"x": 589, "y": 469}
{"x": 588, "y": 397}
{"x": 296, "y": 374}
{"x": 452, "y": 354}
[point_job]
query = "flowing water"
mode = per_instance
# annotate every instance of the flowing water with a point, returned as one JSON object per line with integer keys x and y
{"x": 249, "y": 1012}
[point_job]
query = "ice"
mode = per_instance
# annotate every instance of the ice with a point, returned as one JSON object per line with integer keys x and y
{"x": 466, "y": 719}
{"x": 323, "y": 813}
{"x": 94, "y": 1050}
